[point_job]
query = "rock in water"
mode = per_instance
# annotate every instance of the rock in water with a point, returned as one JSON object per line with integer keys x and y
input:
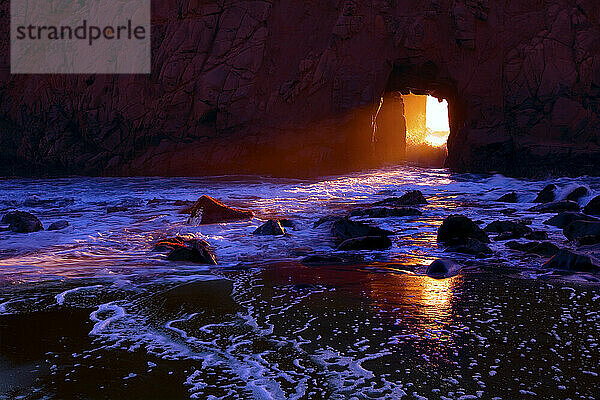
{"x": 593, "y": 207}
{"x": 194, "y": 250}
{"x": 316, "y": 259}
{"x": 509, "y": 229}
{"x": 471, "y": 246}
{"x": 366, "y": 243}
{"x": 442, "y": 268}
{"x": 547, "y": 195}
{"x": 545, "y": 249}
{"x": 537, "y": 235}
{"x": 571, "y": 261}
{"x": 344, "y": 229}
{"x": 584, "y": 232}
{"x": 385, "y": 212}
{"x": 22, "y": 222}
{"x": 271, "y": 227}
{"x": 211, "y": 211}
{"x": 556, "y": 207}
{"x": 509, "y": 198}
{"x": 412, "y": 198}
{"x": 57, "y": 226}
{"x": 578, "y": 193}
{"x": 457, "y": 229}
{"x": 564, "y": 219}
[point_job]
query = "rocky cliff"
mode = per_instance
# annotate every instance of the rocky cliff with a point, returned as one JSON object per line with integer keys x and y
{"x": 294, "y": 87}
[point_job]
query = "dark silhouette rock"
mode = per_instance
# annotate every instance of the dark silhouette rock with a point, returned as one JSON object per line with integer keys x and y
{"x": 564, "y": 219}
{"x": 329, "y": 219}
{"x": 211, "y": 211}
{"x": 584, "y": 232}
{"x": 322, "y": 260}
{"x": 593, "y": 207}
{"x": 171, "y": 243}
{"x": 271, "y": 227}
{"x": 544, "y": 249}
{"x": 385, "y": 212}
{"x": 442, "y": 268}
{"x": 457, "y": 229}
{"x": 56, "y": 226}
{"x": 513, "y": 229}
{"x": 193, "y": 250}
{"x": 509, "y": 198}
{"x": 547, "y": 195}
{"x": 22, "y": 222}
{"x": 578, "y": 193}
{"x": 556, "y": 207}
{"x": 412, "y": 198}
{"x": 115, "y": 209}
{"x": 287, "y": 223}
{"x": 570, "y": 261}
{"x": 470, "y": 246}
{"x": 366, "y": 243}
{"x": 344, "y": 229}
{"x": 537, "y": 235}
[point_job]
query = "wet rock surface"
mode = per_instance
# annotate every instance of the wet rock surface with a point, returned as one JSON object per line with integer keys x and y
{"x": 571, "y": 261}
{"x": 457, "y": 229}
{"x": 443, "y": 268}
{"x": 557, "y": 207}
{"x": 412, "y": 198}
{"x": 545, "y": 249}
{"x": 593, "y": 207}
{"x": 564, "y": 219}
{"x": 344, "y": 229}
{"x": 58, "y": 225}
{"x": 270, "y": 228}
{"x": 578, "y": 193}
{"x": 585, "y": 232}
{"x": 366, "y": 243}
{"x": 22, "y": 222}
{"x": 187, "y": 249}
{"x": 509, "y": 198}
{"x": 547, "y": 195}
{"x": 212, "y": 211}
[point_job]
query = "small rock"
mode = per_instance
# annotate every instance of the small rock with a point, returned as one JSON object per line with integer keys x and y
{"x": 571, "y": 261}
{"x": 537, "y": 235}
{"x": 325, "y": 220}
{"x": 194, "y": 250}
{"x": 322, "y": 260}
{"x": 509, "y": 198}
{"x": 287, "y": 223}
{"x": 556, "y": 207}
{"x": 547, "y": 195}
{"x": 114, "y": 209}
{"x": 22, "y": 222}
{"x": 457, "y": 229}
{"x": 212, "y": 211}
{"x": 56, "y": 226}
{"x": 564, "y": 219}
{"x": 412, "y": 198}
{"x": 271, "y": 227}
{"x": 344, "y": 229}
{"x": 510, "y": 229}
{"x": 442, "y": 268}
{"x": 508, "y": 236}
{"x": 471, "y": 246}
{"x": 578, "y": 193}
{"x": 587, "y": 230}
{"x": 545, "y": 249}
{"x": 385, "y": 212}
{"x": 593, "y": 207}
{"x": 366, "y": 243}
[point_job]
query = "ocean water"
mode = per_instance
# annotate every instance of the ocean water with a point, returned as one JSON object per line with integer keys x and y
{"x": 91, "y": 312}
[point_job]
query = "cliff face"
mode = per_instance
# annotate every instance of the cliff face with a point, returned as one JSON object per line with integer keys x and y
{"x": 291, "y": 87}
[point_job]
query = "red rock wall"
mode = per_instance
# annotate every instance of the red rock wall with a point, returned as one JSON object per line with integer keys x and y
{"x": 292, "y": 87}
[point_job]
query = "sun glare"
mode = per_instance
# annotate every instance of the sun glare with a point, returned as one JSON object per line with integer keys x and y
{"x": 437, "y": 124}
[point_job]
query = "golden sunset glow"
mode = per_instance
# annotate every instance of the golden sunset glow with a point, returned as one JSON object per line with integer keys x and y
{"x": 437, "y": 124}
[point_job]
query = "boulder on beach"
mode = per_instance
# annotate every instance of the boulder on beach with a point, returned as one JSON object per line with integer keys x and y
{"x": 344, "y": 229}
{"x": 577, "y": 193}
{"x": 385, "y": 212}
{"x": 544, "y": 249}
{"x": 570, "y": 261}
{"x": 457, "y": 229}
{"x": 508, "y": 198}
{"x": 193, "y": 250}
{"x": 593, "y": 207}
{"x": 412, "y": 198}
{"x": 556, "y": 207}
{"x": 58, "y": 225}
{"x": 272, "y": 227}
{"x": 584, "y": 232}
{"x": 442, "y": 268}
{"x": 212, "y": 211}
{"x": 547, "y": 195}
{"x": 470, "y": 246}
{"x": 22, "y": 222}
{"x": 508, "y": 229}
{"x": 366, "y": 243}
{"x": 564, "y": 219}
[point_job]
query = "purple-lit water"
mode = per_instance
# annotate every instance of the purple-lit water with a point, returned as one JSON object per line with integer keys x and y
{"x": 92, "y": 312}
